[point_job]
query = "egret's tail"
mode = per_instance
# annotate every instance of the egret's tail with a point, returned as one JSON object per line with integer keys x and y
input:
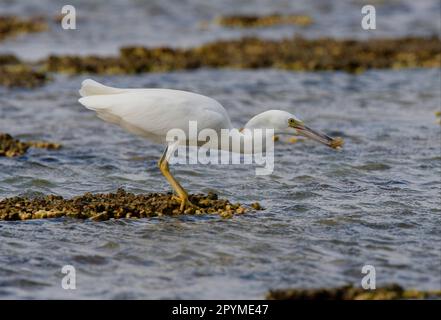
{"x": 90, "y": 87}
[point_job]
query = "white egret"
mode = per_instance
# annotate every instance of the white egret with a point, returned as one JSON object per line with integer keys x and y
{"x": 152, "y": 113}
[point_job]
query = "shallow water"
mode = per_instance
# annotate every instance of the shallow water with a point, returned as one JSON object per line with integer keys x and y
{"x": 327, "y": 213}
{"x": 103, "y": 26}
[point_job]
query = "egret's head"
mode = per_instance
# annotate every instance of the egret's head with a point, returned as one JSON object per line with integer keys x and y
{"x": 302, "y": 130}
{"x": 286, "y": 123}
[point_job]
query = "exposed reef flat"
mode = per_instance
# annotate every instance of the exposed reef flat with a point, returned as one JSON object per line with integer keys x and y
{"x": 11, "y": 147}
{"x": 122, "y": 204}
{"x": 294, "y": 54}
{"x": 253, "y": 21}
{"x": 389, "y": 292}
{"x": 11, "y": 26}
{"x": 297, "y": 54}
{"x": 21, "y": 75}
{"x": 438, "y": 117}
{"x": 15, "y": 73}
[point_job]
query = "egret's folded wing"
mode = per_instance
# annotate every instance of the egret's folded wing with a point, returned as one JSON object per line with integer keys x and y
{"x": 147, "y": 112}
{"x": 152, "y": 113}
{"x": 90, "y": 87}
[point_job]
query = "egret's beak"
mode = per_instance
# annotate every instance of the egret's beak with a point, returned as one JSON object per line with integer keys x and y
{"x": 307, "y": 132}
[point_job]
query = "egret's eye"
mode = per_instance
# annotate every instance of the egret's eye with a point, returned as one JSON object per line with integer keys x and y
{"x": 293, "y": 122}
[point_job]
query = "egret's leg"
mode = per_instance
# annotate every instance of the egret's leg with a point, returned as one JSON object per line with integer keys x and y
{"x": 182, "y": 194}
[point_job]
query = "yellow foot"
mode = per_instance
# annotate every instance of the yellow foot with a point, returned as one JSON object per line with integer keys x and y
{"x": 185, "y": 203}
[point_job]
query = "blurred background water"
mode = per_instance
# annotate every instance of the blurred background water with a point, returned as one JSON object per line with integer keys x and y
{"x": 103, "y": 26}
{"x": 327, "y": 213}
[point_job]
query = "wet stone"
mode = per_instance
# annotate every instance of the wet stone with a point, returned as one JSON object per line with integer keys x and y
{"x": 122, "y": 204}
{"x": 15, "y": 73}
{"x": 438, "y": 117}
{"x": 11, "y": 147}
{"x": 11, "y": 26}
{"x": 252, "y": 21}
{"x": 257, "y": 206}
{"x": 296, "y": 54}
{"x": 44, "y": 145}
{"x": 349, "y": 292}
{"x": 8, "y": 59}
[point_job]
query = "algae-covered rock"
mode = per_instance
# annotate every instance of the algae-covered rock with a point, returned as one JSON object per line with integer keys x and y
{"x": 122, "y": 204}
{"x": 11, "y": 147}
{"x": 11, "y": 26}
{"x": 6, "y": 59}
{"x": 21, "y": 75}
{"x": 349, "y": 292}
{"x": 44, "y": 145}
{"x": 251, "y": 21}
{"x": 15, "y": 73}
{"x": 86, "y": 64}
{"x": 297, "y": 54}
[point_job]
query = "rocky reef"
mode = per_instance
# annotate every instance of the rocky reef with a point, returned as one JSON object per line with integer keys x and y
{"x": 122, "y": 204}
{"x": 22, "y": 76}
{"x": 297, "y": 54}
{"x": 253, "y": 21}
{"x": 294, "y": 54}
{"x": 11, "y": 147}
{"x": 349, "y": 292}
{"x": 15, "y": 73}
{"x": 11, "y": 26}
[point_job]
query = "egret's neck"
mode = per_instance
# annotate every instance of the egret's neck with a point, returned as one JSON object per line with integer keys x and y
{"x": 255, "y": 122}
{"x": 264, "y": 120}
{"x": 259, "y": 131}
{"x": 248, "y": 141}
{"x": 256, "y": 137}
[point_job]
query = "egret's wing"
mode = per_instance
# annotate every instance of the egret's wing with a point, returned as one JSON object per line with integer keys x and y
{"x": 153, "y": 112}
{"x": 90, "y": 87}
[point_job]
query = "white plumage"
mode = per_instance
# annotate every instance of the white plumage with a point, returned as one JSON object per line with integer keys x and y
{"x": 152, "y": 113}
